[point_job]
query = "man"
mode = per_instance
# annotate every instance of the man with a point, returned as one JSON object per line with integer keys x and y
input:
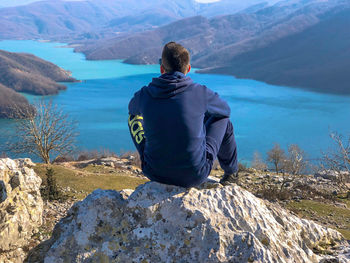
{"x": 180, "y": 127}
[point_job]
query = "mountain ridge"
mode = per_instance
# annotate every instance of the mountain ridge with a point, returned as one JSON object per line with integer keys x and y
{"x": 217, "y": 43}
{"x": 10, "y": 101}
{"x": 310, "y": 62}
{"x": 21, "y": 72}
{"x": 79, "y": 20}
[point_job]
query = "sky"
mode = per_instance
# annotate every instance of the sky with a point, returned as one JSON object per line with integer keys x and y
{"x": 207, "y": 1}
{"x": 6, "y": 3}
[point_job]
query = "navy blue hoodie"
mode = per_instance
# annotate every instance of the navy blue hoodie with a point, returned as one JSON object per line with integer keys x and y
{"x": 173, "y": 108}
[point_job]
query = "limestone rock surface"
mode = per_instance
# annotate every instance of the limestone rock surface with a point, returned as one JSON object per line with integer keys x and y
{"x": 21, "y": 208}
{"x": 160, "y": 223}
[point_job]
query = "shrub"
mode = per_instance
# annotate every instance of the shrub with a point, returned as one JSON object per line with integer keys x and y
{"x": 337, "y": 159}
{"x": 274, "y": 193}
{"x": 258, "y": 162}
{"x": 51, "y": 191}
{"x": 276, "y": 157}
{"x": 295, "y": 163}
{"x": 94, "y": 154}
{"x": 64, "y": 159}
{"x": 242, "y": 167}
{"x": 88, "y": 155}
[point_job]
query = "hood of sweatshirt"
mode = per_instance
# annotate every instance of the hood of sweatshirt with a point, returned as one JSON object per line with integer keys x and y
{"x": 168, "y": 85}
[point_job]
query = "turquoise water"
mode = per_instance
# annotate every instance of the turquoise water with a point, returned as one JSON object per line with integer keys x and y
{"x": 262, "y": 114}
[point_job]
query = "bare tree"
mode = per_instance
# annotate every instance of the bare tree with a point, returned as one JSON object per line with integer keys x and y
{"x": 258, "y": 162}
{"x": 276, "y": 156}
{"x": 295, "y": 163}
{"x": 338, "y": 159}
{"x": 46, "y": 132}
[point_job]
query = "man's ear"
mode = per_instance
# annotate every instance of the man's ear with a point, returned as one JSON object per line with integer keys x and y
{"x": 189, "y": 69}
{"x": 162, "y": 70}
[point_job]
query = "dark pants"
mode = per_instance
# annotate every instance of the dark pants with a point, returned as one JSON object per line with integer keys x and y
{"x": 220, "y": 143}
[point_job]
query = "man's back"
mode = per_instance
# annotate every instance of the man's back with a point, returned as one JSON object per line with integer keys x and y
{"x": 173, "y": 110}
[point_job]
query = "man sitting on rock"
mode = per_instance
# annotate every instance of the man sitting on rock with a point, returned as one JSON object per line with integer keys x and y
{"x": 179, "y": 127}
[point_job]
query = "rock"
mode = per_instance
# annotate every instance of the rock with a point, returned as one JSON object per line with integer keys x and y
{"x": 137, "y": 171}
{"x": 25, "y": 162}
{"x": 341, "y": 205}
{"x": 342, "y": 255}
{"x": 331, "y": 175}
{"x": 125, "y": 193}
{"x": 21, "y": 208}
{"x": 161, "y": 223}
{"x": 131, "y": 157}
{"x": 112, "y": 162}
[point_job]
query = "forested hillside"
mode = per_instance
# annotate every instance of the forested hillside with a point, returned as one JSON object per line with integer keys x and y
{"x": 30, "y": 74}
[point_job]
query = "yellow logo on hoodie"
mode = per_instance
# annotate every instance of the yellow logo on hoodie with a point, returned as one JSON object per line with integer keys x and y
{"x": 136, "y": 128}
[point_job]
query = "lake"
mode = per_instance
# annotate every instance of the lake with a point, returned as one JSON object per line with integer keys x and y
{"x": 262, "y": 114}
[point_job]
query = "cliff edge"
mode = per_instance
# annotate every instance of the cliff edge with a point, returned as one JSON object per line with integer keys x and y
{"x": 161, "y": 223}
{"x": 21, "y": 208}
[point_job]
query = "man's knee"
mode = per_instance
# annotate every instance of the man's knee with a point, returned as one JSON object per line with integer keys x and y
{"x": 229, "y": 133}
{"x": 229, "y": 128}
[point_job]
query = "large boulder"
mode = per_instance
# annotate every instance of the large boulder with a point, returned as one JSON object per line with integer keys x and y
{"x": 21, "y": 208}
{"x": 160, "y": 223}
{"x": 333, "y": 175}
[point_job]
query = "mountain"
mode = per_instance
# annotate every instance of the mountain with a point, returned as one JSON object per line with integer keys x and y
{"x": 206, "y": 36}
{"x": 10, "y": 100}
{"x": 317, "y": 58}
{"x": 49, "y": 19}
{"x": 250, "y": 39}
{"x": 29, "y": 74}
{"x": 98, "y": 19}
{"x": 255, "y": 44}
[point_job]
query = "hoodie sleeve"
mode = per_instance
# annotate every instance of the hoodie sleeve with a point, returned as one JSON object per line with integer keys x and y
{"x": 216, "y": 106}
{"x": 135, "y": 122}
{"x": 134, "y": 104}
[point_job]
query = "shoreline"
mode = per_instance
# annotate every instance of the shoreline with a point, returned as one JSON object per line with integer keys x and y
{"x": 256, "y": 106}
{"x": 203, "y": 71}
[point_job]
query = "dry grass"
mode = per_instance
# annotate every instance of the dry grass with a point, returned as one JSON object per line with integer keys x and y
{"x": 325, "y": 214}
{"x": 88, "y": 181}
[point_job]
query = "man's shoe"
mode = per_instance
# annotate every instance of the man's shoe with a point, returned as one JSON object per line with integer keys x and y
{"x": 229, "y": 179}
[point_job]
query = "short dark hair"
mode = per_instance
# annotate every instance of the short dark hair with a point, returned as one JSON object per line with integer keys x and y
{"x": 175, "y": 57}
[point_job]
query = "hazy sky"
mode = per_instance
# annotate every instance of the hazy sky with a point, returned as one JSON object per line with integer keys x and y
{"x": 15, "y": 2}
{"x": 207, "y": 1}
{"x": 23, "y": 2}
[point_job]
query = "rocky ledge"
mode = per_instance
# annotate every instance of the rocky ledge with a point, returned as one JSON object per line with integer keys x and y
{"x": 21, "y": 208}
{"x": 160, "y": 223}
